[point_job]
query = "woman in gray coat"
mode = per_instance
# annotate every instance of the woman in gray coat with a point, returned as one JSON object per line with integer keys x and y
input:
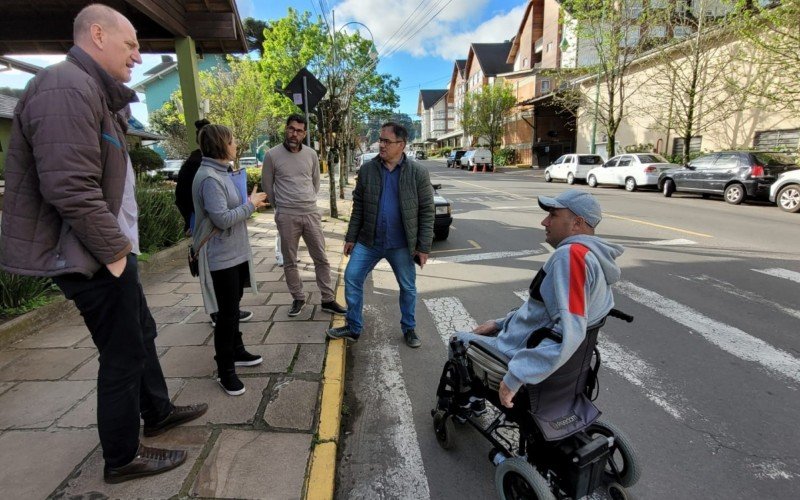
{"x": 226, "y": 257}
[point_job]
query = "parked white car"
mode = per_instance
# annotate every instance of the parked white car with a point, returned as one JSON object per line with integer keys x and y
{"x": 572, "y": 167}
{"x": 481, "y": 158}
{"x": 248, "y": 162}
{"x": 630, "y": 170}
{"x": 785, "y": 191}
{"x": 364, "y": 158}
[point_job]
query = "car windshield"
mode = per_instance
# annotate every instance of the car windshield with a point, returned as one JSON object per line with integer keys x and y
{"x": 774, "y": 159}
{"x": 590, "y": 160}
{"x": 652, "y": 158}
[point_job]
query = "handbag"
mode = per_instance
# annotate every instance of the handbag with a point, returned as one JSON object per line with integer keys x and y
{"x": 194, "y": 261}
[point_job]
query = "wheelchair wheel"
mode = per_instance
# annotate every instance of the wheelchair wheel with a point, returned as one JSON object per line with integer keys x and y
{"x": 516, "y": 479}
{"x": 623, "y": 454}
{"x": 444, "y": 429}
{"x": 616, "y": 492}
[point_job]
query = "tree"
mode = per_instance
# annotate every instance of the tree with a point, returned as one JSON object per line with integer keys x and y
{"x": 616, "y": 32}
{"x": 773, "y": 32}
{"x": 484, "y": 112}
{"x": 254, "y": 33}
{"x": 238, "y": 99}
{"x": 691, "y": 74}
{"x": 170, "y": 122}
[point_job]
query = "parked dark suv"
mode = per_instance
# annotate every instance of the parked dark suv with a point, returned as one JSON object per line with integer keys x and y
{"x": 735, "y": 175}
{"x": 454, "y": 158}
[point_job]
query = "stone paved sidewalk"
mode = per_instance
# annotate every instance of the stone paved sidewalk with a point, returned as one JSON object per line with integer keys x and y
{"x": 253, "y": 446}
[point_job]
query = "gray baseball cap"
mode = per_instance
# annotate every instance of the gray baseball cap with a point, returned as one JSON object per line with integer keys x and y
{"x": 578, "y": 202}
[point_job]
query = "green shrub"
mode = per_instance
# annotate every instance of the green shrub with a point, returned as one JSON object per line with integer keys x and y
{"x": 144, "y": 159}
{"x": 160, "y": 223}
{"x": 253, "y": 178}
{"x": 445, "y": 151}
{"x": 19, "y": 294}
{"x": 639, "y": 148}
{"x": 505, "y": 156}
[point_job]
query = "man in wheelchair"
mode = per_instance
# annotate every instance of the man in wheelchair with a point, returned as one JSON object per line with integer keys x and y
{"x": 544, "y": 344}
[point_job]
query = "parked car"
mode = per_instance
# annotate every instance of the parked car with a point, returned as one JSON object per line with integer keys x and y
{"x": 571, "y": 168}
{"x": 630, "y": 170}
{"x": 364, "y": 158}
{"x": 248, "y": 161}
{"x": 454, "y": 158}
{"x": 480, "y": 158}
{"x": 735, "y": 175}
{"x": 171, "y": 168}
{"x": 785, "y": 192}
{"x": 464, "y": 162}
{"x": 420, "y": 155}
{"x": 444, "y": 214}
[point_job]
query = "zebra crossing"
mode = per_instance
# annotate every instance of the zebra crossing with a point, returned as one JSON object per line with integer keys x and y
{"x": 654, "y": 379}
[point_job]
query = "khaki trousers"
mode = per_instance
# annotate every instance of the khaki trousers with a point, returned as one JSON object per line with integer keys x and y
{"x": 291, "y": 227}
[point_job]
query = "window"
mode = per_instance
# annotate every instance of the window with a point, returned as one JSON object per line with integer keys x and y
{"x": 694, "y": 145}
{"x": 727, "y": 160}
{"x": 625, "y": 161}
{"x": 703, "y": 162}
{"x": 590, "y": 160}
{"x": 524, "y": 62}
{"x": 549, "y": 46}
{"x": 545, "y": 85}
{"x": 777, "y": 139}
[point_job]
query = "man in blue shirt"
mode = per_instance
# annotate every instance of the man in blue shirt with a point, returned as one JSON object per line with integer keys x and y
{"x": 392, "y": 219}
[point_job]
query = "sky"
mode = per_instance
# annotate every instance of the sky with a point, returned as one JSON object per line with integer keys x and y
{"x": 417, "y": 40}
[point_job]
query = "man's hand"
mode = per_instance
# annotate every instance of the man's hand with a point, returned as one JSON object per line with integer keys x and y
{"x": 258, "y": 199}
{"x": 423, "y": 259}
{"x": 506, "y": 395}
{"x": 348, "y": 248}
{"x": 118, "y": 267}
{"x": 488, "y": 328}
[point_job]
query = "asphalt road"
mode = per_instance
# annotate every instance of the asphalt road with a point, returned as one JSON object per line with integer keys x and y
{"x": 705, "y": 381}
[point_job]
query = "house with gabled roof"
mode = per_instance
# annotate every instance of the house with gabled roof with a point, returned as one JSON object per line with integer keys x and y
{"x": 435, "y": 113}
{"x": 484, "y": 62}
{"x": 456, "y": 90}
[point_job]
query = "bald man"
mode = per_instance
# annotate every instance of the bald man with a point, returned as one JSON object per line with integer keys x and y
{"x": 70, "y": 214}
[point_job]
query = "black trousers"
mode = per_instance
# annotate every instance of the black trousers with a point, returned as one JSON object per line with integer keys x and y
{"x": 130, "y": 383}
{"x": 229, "y": 286}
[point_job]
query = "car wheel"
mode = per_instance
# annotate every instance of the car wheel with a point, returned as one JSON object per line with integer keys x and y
{"x": 734, "y": 194}
{"x": 668, "y": 188}
{"x": 789, "y": 198}
{"x": 630, "y": 184}
{"x": 592, "y": 181}
{"x": 570, "y": 178}
{"x": 547, "y": 177}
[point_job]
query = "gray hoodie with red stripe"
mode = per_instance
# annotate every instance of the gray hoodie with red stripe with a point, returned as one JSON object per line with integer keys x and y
{"x": 571, "y": 291}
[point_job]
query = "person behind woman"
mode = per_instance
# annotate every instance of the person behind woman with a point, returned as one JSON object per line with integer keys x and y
{"x": 225, "y": 261}
{"x": 183, "y": 188}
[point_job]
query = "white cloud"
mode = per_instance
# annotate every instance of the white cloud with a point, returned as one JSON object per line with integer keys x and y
{"x": 392, "y": 23}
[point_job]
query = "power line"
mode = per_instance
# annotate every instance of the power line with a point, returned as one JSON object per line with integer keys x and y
{"x": 410, "y": 37}
{"x": 413, "y": 20}
{"x": 389, "y": 40}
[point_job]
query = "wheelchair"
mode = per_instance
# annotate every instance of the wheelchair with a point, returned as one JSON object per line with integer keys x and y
{"x": 550, "y": 444}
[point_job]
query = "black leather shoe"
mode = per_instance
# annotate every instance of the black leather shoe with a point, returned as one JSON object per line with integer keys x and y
{"x": 180, "y": 415}
{"x": 147, "y": 462}
{"x": 333, "y": 307}
{"x": 411, "y": 338}
{"x": 343, "y": 332}
{"x": 297, "y": 306}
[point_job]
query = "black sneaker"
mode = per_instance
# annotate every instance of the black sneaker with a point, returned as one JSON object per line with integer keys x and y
{"x": 333, "y": 307}
{"x": 476, "y": 406}
{"x": 230, "y": 383}
{"x": 244, "y": 317}
{"x": 297, "y": 306}
{"x": 244, "y": 358}
{"x": 343, "y": 332}
{"x": 411, "y": 338}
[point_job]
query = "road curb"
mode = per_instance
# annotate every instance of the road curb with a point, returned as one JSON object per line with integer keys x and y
{"x": 321, "y": 479}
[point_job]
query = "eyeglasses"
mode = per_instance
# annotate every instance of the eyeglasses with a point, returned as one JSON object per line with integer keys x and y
{"x": 292, "y": 130}
{"x": 384, "y": 142}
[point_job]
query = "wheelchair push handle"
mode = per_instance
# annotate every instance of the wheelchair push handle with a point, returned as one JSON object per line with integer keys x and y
{"x": 620, "y": 315}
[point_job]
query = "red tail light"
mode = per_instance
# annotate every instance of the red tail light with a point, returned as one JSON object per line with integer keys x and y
{"x": 757, "y": 171}
{"x": 650, "y": 170}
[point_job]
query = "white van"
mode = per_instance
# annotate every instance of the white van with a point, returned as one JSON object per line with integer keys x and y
{"x": 482, "y": 159}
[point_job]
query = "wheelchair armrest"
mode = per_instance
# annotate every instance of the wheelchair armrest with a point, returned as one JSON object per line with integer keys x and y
{"x": 491, "y": 352}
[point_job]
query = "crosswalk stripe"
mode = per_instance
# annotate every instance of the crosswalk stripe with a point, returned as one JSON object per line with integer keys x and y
{"x": 472, "y": 257}
{"x": 728, "y": 338}
{"x": 450, "y": 315}
{"x": 407, "y": 478}
{"x": 781, "y": 273}
{"x": 731, "y": 289}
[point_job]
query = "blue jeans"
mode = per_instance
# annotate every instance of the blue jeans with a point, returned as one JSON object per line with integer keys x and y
{"x": 362, "y": 260}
